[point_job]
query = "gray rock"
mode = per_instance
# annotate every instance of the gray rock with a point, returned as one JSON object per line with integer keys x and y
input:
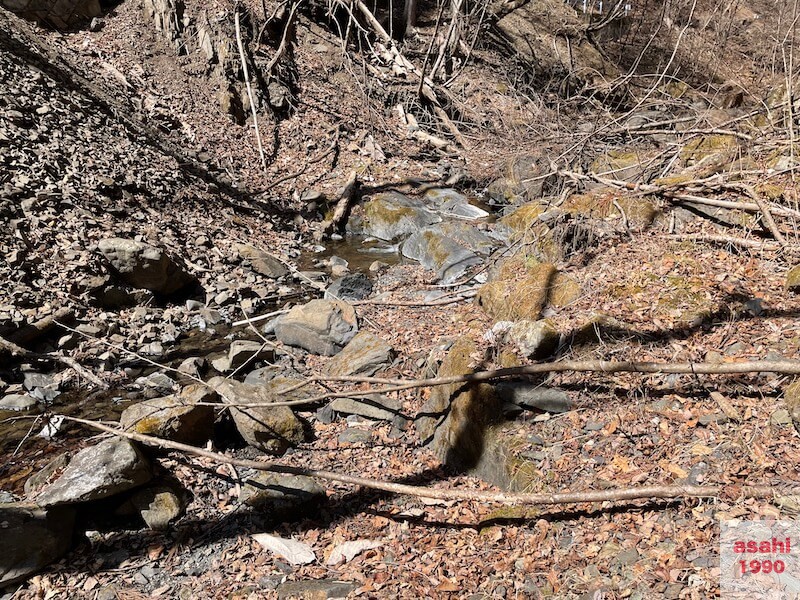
{"x": 270, "y": 429}
{"x": 531, "y": 396}
{"x": 33, "y": 537}
{"x": 391, "y": 215}
{"x": 39, "y": 479}
{"x": 351, "y": 435}
{"x": 144, "y": 266}
{"x": 356, "y": 286}
{"x": 18, "y": 402}
{"x": 450, "y": 203}
{"x": 448, "y": 248}
{"x": 320, "y": 326}
{"x": 159, "y": 505}
{"x": 534, "y": 339}
{"x": 194, "y": 366}
{"x": 365, "y": 354}
{"x": 100, "y": 471}
{"x": 241, "y": 352}
{"x": 261, "y": 262}
{"x": 177, "y": 418}
{"x": 281, "y": 492}
{"x": 320, "y": 589}
{"x": 374, "y": 406}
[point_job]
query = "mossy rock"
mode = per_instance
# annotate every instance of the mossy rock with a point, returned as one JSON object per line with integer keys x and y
{"x": 625, "y": 165}
{"x": 707, "y": 147}
{"x": 770, "y": 191}
{"x": 639, "y": 212}
{"x": 793, "y": 279}
{"x": 564, "y": 290}
{"x": 523, "y": 218}
{"x": 519, "y": 292}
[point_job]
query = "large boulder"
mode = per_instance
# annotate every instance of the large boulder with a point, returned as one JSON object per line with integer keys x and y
{"x": 144, "y": 266}
{"x": 459, "y": 420}
{"x": 362, "y": 356}
{"x": 271, "y": 429}
{"x": 391, "y": 215}
{"x": 448, "y": 248}
{"x": 177, "y": 418}
{"x": 97, "y": 472}
{"x": 63, "y": 14}
{"x": 33, "y": 537}
{"x": 320, "y": 326}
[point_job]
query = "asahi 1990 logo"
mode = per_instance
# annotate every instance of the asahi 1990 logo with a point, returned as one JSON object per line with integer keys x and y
{"x": 760, "y": 559}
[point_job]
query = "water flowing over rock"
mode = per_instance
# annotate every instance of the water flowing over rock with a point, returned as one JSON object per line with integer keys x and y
{"x": 320, "y": 326}
{"x": 270, "y": 429}
{"x": 97, "y": 472}
{"x": 144, "y": 266}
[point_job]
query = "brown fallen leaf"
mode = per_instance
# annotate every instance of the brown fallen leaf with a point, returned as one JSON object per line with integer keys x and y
{"x": 448, "y": 586}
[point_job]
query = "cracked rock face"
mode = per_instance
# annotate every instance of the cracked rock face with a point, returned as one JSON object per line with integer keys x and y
{"x": 100, "y": 471}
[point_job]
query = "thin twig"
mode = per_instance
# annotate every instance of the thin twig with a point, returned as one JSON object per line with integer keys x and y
{"x": 246, "y": 75}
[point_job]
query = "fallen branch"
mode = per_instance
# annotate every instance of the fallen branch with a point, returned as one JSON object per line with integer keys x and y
{"x": 766, "y": 213}
{"x": 246, "y": 75}
{"x": 733, "y": 241}
{"x": 611, "y": 495}
{"x": 342, "y": 207}
{"x": 786, "y": 367}
{"x": 667, "y": 192}
{"x": 32, "y": 331}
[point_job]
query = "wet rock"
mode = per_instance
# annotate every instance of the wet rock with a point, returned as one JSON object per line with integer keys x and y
{"x": 100, "y": 471}
{"x": 391, "y": 215}
{"x": 449, "y": 203}
{"x": 356, "y": 286}
{"x": 18, "y": 402}
{"x": 270, "y": 429}
{"x": 534, "y": 339}
{"x": 793, "y": 279}
{"x": 530, "y": 396}
{"x": 314, "y": 589}
{"x": 177, "y": 418}
{"x": 144, "y": 266}
{"x": 261, "y": 262}
{"x": 33, "y": 537}
{"x": 375, "y": 406}
{"x": 241, "y": 352}
{"x": 281, "y": 493}
{"x": 320, "y": 326}
{"x": 364, "y": 354}
{"x": 448, "y": 248}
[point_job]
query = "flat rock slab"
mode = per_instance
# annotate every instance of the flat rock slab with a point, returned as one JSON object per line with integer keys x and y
{"x": 365, "y": 354}
{"x": 448, "y": 248}
{"x": 144, "y": 266}
{"x": 281, "y": 492}
{"x": 375, "y": 406}
{"x": 177, "y": 418}
{"x": 33, "y": 537}
{"x": 320, "y": 326}
{"x": 531, "y": 396}
{"x": 355, "y": 286}
{"x": 270, "y": 429}
{"x": 450, "y": 203}
{"x": 100, "y": 471}
{"x": 241, "y": 352}
{"x": 261, "y": 262}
